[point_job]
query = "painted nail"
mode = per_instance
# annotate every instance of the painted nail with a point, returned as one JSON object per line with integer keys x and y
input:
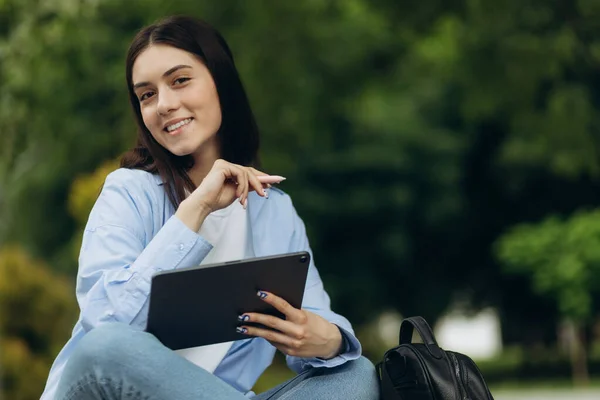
{"x": 239, "y": 329}
{"x": 261, "y": 294}
{"x": 243, "y": 318}
{"x": 266, "y": 192}
{"x": 271, "y": 179}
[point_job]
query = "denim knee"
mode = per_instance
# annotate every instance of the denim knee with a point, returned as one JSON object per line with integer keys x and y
{"x": 111, "y": 345}
{"x": 364, "y": 377}
{"x": 361, "y": 366}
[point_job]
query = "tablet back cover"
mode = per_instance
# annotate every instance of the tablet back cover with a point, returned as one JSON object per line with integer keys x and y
{"x": 199, "y": 306}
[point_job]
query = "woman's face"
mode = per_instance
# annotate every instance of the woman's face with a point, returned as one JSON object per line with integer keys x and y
{"x": 178, "y": 99}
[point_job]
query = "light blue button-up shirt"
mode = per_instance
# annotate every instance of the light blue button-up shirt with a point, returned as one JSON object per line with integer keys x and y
{"x": 132, "y": 233}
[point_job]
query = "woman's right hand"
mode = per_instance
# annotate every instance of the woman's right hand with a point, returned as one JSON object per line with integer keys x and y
{"x": 224, "y": 183}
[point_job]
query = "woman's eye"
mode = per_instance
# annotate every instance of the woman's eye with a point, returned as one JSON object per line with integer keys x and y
{"x": 146, "y": 96}
{"x": 179, "y": 81}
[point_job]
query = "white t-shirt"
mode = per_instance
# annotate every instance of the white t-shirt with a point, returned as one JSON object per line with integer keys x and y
{"x": 228, "y": 230}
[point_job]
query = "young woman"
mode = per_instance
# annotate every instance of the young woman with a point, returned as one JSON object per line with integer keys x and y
{"x": 187, "y": 194}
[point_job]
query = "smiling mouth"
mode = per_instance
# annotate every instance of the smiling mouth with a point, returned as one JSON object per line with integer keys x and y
{"x": 174, "y": 127}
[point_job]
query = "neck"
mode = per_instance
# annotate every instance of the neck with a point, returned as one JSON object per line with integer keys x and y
{"x": 204, "y": 159}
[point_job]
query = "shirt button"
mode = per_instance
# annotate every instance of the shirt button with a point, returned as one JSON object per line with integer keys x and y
{"x": 181, "y": 246}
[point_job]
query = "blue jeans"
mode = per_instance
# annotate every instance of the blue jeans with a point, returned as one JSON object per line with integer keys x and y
{"x": 109, "y": 364}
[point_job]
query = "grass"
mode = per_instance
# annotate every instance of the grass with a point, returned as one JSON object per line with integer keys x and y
{"x": 544, "y": 384}
{"x": 278, "y": 372}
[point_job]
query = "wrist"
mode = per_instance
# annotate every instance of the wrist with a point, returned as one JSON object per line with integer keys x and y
{"x": 192, "y": 213}
{"x": 337, "y": 343}
{"x": 202, "y": 210}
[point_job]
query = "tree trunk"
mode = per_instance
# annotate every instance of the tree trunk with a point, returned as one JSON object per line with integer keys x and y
{"x": 578, "y": 354}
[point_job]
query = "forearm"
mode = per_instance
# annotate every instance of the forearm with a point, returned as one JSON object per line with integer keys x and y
{"x": 192, "y": 213}
{"x": 116, "y": 270}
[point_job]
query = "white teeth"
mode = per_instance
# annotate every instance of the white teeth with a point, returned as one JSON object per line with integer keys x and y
{"x": 171, "y": 128}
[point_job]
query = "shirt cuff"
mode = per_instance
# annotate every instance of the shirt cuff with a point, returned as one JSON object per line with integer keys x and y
{"x": 351, "y": 350}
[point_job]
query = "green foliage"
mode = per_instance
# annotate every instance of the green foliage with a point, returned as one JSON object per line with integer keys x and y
{"x": 517, "y": 367}
{"x": 562, "y": 257}
{"x": 413, "y": 134}
{"x": 64, "y": 109}
{"x": 37, "y": 311}
{"x": 85, "y": 190}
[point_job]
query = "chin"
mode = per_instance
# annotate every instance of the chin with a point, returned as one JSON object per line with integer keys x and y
{"x": 190, "y": 147}
{"x": 180, "y": 152}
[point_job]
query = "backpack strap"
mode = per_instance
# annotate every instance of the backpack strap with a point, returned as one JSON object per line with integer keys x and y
{"x": 419, "y": 323}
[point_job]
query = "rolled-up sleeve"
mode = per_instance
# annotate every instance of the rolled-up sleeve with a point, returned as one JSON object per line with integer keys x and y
{"x": 317, "y": 300}
{"x": 115, "y": 263}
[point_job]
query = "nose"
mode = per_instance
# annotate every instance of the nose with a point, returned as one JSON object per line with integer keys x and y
{"x": 168, "y": 101}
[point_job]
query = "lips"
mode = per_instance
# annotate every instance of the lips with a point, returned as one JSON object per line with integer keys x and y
{"x": 174, "y": 125}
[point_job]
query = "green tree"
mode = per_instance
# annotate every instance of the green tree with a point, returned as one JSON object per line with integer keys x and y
{"x": 562, "y": 258}
{"x": 37, "y": 312}
{"x": 412, "y": 133}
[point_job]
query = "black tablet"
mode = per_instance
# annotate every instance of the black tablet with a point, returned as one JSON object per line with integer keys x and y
{"x": 199, "y": 306}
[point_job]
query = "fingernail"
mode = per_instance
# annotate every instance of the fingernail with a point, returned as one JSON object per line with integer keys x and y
{"x": 245, "y": 203}
{"x": 243, "y": 318}
{"x": 266, "y": 192}
{"x": 261, "y": 294}
{"x": 239, "y": 329}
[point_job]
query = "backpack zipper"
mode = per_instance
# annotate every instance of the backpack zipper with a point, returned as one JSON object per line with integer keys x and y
{"x": 476, "y": 368}
{"x": 423, "y": 365}
{"x": 462, "y": 390}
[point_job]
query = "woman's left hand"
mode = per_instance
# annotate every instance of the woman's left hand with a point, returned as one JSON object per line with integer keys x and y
{"x": 301, "y": 334}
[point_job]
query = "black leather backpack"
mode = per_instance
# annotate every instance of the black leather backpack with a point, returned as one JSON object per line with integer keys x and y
{"x": 423, "y": 371}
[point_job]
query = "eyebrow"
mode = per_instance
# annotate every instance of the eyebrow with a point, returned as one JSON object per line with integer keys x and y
{"x": 167, "y": 73}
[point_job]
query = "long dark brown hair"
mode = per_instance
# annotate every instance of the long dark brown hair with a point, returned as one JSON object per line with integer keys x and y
{"x": 238, "y": 135}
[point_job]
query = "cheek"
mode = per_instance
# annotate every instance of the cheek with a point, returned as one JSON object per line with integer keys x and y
{"x": 215, "y": 108}
{"x": 149, "y": 118}
{"x": 206, "y": 98}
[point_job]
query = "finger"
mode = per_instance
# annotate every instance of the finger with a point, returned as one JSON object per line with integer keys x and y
{"x": 286, "y": 327}
{"x": 271, "y": 178}
{"x": 286, "y": 350}
{"x": 264, "y": 178}
{"x": 267, "y": 334}
{"x": 257, "y": 172}
{"x": 255, "y": 183}
{"x": 246, "y": 188}
{"x": 239, "y": 174}
{"x": 292, "y": 314}
{"x": 231, "y": 174}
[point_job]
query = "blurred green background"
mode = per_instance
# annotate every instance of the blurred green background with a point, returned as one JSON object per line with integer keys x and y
{"x": 444, "y": 154}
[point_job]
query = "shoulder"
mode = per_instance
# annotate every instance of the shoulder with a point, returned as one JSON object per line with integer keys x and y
{"x": 280, "y": 201}
{"x": 279, "y": 195}
{"x": 132, "y": 179}
{"x": 276, "y": 210}
{"x": 128, "y": 197}
{"x": 134, "y": 185}
{"x": 282, "y": 220}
